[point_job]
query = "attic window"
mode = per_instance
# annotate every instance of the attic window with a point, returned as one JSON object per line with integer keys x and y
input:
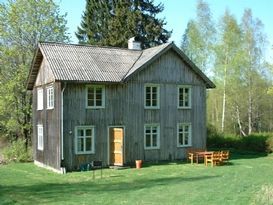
{"x": 50, "y": 97}
{"x": 95, "y": 96}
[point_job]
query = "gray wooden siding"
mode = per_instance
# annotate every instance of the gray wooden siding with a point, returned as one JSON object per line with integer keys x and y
{"x": 45, "y": 74}
{"x": 50, "y": 119}
{"x": 124, "y": 106}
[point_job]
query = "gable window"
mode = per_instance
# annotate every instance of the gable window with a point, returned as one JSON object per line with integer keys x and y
{"x": 84, "y": 140}
{"x": 184, "y": 135}
{"x": 184, "y": 97}
{"x": 50, "y": 97}
{"x": 40, "y": 137}
{"x": 95, "y": 96}
{"x": 151, "y": 136}
{"x": 152, "y": 97}
{"x": 40, "y": 99}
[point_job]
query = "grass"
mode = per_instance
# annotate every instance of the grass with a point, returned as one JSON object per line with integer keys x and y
{"x": 241, "y": 182}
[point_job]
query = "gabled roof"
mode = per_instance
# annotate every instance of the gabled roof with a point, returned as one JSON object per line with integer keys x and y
{"x": 85, "y": 63}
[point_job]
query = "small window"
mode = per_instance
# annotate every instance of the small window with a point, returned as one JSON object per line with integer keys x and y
{"x": 40, "y": 99}
{"x": 152, "y": 97}
{"x": 95, "y": 96}
{"x": 184, "y": 97}
{"x": 40, "y": 137}
{"x": 184, "y": 135}
{"x": 84, "y": 140}
{"x": 50, "y": 97}
{"x": 151, "y": 137}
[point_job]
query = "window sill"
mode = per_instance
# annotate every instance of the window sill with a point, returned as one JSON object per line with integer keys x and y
{"x": 183, "y": 146}
{"x": 184, "y": 108}
{"x": 151, "y": 108}
{"x": 78, "y": 153}
{"x": 151, "y": 148}
{"x": 95, "y": 108}
{"x": 50, "y": 108}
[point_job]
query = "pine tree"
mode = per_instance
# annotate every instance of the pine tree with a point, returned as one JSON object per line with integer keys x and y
{"x": 113, "y": 22}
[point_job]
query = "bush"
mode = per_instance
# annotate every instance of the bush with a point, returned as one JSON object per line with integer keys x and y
{"x": 257, "y": 142}
{"x": 17, "y": 152}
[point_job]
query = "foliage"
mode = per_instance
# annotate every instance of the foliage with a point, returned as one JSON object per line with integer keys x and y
{"x": 23, "y": 23}
{"x": 235, "y": 50}
{"x": 17, "y": 152}
{"x": 199, "y": 37}
{"x": 256, "y": 142}
{"x": 104, "y": 21}
{"x": 236, "y": 183}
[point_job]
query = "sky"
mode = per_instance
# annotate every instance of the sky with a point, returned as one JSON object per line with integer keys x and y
{"x": 177, "y": 13}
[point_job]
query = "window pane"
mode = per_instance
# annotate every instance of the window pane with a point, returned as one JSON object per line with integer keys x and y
{"x": 80, "y": 132}
{"x": 154, "y": 140}
{"x": 147, "y": 130}
{"x": 98, "y": 102}
{"x": 180, "y": 138}
{"x": 80, "y": 145}
{"x": 154, "y": 90}
{"x": 186, "y": 137}
{"x": 154, "y": 102}
{"x": 148, "y": 140}
{"x": 91, "y": 103}
{"x": 154, "y": 130}
{"x": 88, "y": 142}
{"x": 88, "y": 132}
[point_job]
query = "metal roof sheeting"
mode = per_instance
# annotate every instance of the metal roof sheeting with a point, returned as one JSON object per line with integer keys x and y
{"x": 85, "y": 63}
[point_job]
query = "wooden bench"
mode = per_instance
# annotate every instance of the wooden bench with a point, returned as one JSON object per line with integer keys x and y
{"x": 191, "y": 153}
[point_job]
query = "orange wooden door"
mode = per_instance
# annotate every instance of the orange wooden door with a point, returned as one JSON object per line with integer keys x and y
{"x": 116, "y": 146}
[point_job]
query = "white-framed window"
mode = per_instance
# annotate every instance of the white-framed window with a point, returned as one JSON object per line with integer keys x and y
{"x": 50, "y": 97}
{"x": 40, "y": 99}
{"x": 184, "y": 96}
{"x": 84, "y": 139}
{"x": 184, "y": 134}
{"x": 151, "y": 136}
{"x": 95, "y": 96}
{"x": 152, "y": 96}
{"x": 40, "y": 137}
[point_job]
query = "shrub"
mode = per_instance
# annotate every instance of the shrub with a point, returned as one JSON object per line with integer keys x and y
{"x": 17, "y": 152}
{"x": 257, "y": 142}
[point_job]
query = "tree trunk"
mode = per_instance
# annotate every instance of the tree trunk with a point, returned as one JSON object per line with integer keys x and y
{"x": 239, "y": 121}
{"x": 224, "y": 96}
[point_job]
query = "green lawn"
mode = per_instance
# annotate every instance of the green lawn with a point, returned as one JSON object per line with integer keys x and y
{"x": 240, "y": 182}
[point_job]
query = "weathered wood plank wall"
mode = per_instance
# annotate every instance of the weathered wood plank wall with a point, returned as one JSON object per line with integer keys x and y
{"x": 125, "y": 107}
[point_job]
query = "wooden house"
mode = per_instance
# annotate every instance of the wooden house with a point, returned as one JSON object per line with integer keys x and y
{"x": 114, "y": 104}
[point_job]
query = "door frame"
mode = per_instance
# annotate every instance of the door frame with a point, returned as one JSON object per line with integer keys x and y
{"x": 108, "y": 142}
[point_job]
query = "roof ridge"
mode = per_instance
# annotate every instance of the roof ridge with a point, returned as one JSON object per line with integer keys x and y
{"x": 87, "y": 45}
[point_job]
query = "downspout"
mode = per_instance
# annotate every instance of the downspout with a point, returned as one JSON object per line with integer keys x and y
{"x": 62, "y": 127}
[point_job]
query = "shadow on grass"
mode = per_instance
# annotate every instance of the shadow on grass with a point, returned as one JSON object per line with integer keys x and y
{"x": 62, "y": 192}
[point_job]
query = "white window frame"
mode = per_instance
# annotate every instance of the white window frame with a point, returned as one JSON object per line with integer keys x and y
{"x": 189, "y": 132}
{"x": 103, "y": 96}
{"x": 158, "y": 136}
{"x": 50, "y": 97}
{"x": 178, "y": 96}
{"x": 40, "y": 98}
{"x": 157, "y": 96}
{"x": 84, "y": 137}
{"x": 40, "y": 137}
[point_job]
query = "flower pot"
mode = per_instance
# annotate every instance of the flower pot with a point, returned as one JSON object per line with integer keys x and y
{"x": 138, "y": 164}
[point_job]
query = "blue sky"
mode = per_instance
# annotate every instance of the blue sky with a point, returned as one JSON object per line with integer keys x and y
{"x": 177, "y": 13}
